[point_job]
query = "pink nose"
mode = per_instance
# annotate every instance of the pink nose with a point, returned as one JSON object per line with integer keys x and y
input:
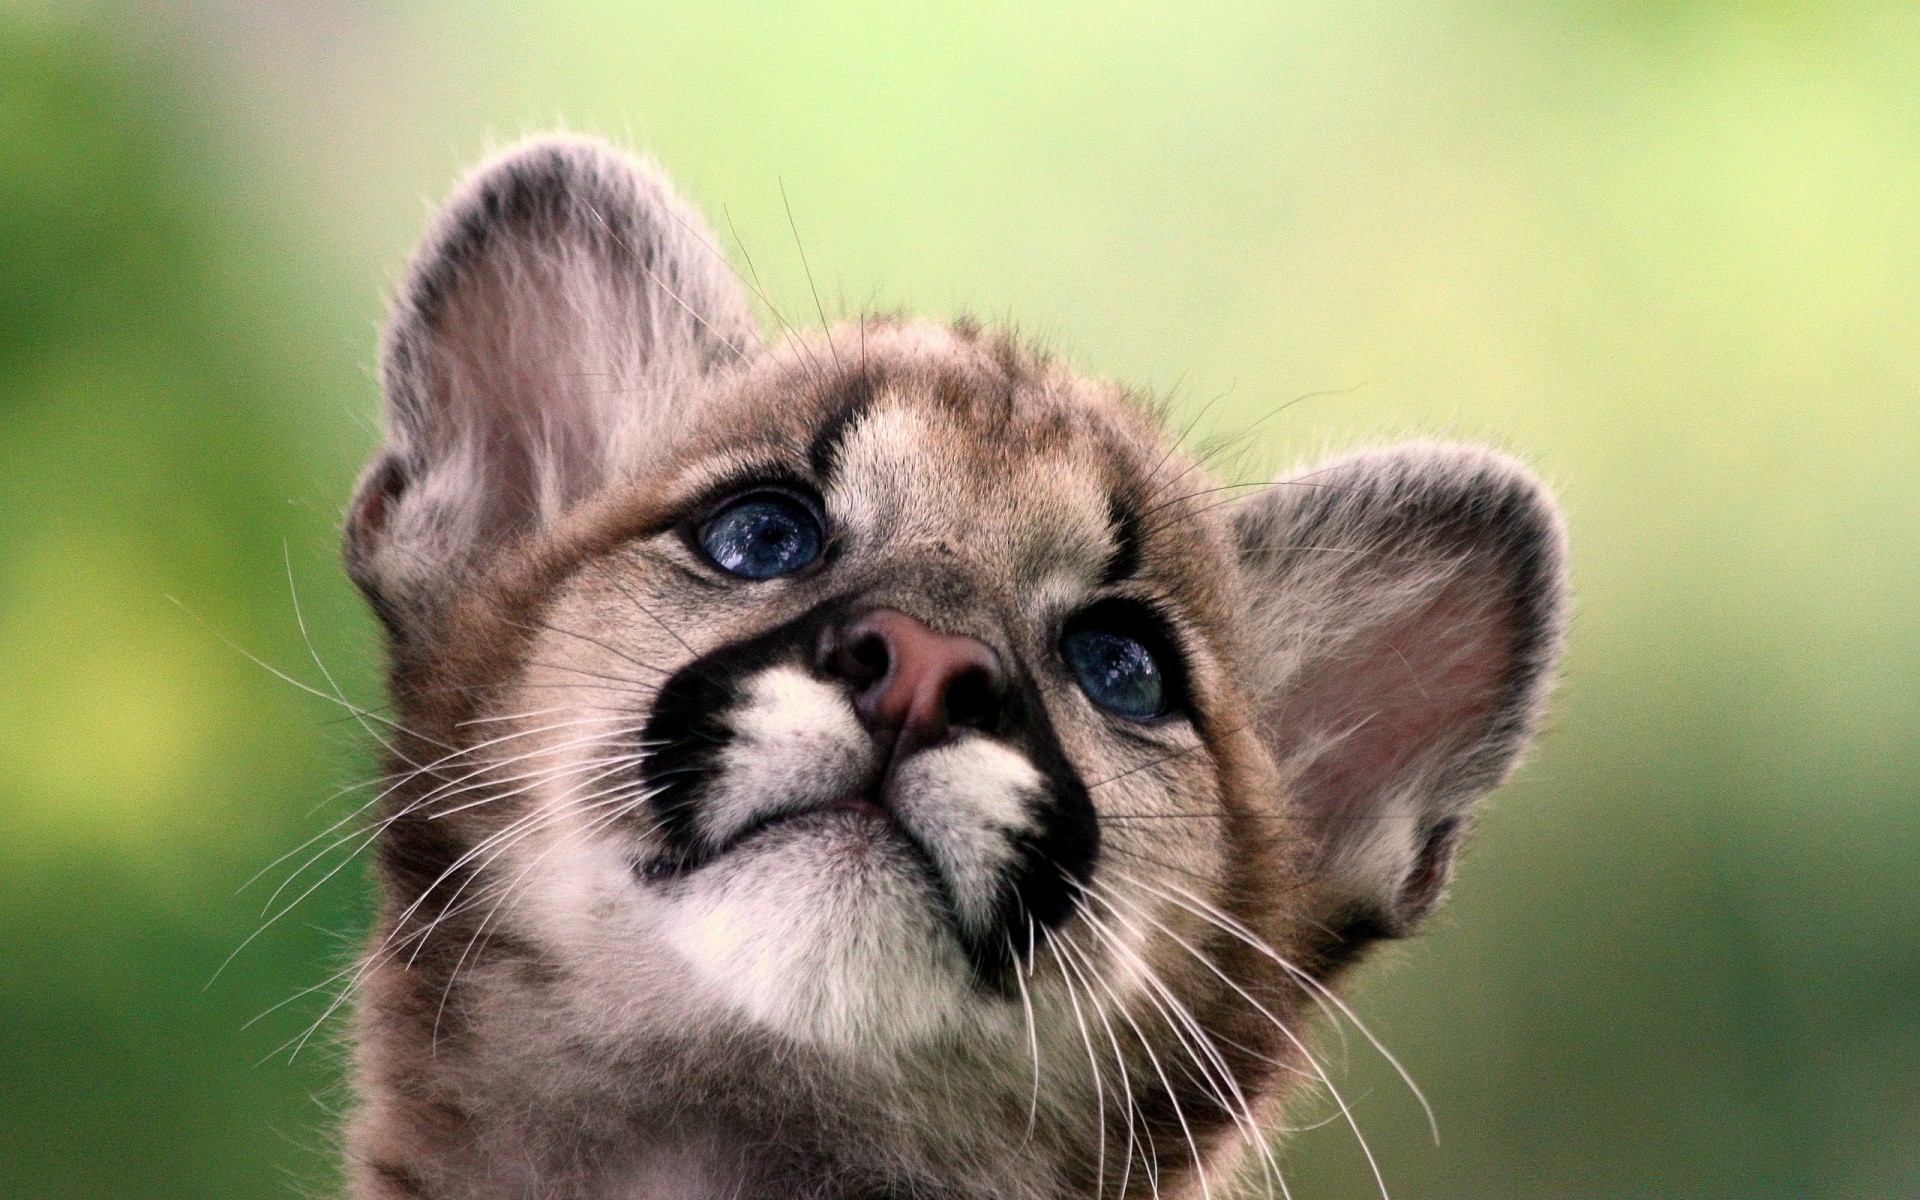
{"x": 916, "y": 682}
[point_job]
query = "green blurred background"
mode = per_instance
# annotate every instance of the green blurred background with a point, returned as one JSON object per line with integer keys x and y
{"x": 1670, "y": 251}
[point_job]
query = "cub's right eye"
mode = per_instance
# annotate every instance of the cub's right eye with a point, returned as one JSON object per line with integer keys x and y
{"x": 761, "y": 535}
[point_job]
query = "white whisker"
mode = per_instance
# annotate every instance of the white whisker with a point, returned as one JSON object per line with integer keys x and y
{"x": 1326, "y": 1080}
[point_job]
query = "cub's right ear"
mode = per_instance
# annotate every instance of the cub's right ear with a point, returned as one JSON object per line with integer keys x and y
{"x": 550, "y": 329}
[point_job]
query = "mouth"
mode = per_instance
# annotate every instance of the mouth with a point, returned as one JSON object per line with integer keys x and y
{"x": 864, "y": 808}
{"x": 864, "y": 804}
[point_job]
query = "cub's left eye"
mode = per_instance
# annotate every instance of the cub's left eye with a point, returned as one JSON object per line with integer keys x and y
{"x": 762, "y": 535}
{"x": 1116, "y": 670}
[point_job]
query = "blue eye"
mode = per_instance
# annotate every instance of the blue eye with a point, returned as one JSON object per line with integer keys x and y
{"x": 1117, "y": 671}
{"x": 761, "y": 536}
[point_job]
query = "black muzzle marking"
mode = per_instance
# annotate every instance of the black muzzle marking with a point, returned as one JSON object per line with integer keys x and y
{"x": 691, "y": 728}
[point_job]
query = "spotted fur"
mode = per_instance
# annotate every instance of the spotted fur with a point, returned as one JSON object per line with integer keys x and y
{"x": 634, "y": 941}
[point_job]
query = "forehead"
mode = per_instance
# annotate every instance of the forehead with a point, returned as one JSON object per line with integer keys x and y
{"x": 957, "y": 442}
{"x": 912, "y": 474}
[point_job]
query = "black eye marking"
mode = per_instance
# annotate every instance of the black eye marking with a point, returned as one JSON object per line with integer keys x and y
{"x": 1124, "y": 660}
{"x": 1126, "y": 539}
{"x": 761, "y": 535}
{"x": 823, "y": 454}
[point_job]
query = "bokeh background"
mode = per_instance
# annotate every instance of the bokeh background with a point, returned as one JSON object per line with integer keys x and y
{"x": 1669, "y": 251}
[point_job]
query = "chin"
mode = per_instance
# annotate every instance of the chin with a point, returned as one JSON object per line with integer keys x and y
{"x": 827, "y": 929}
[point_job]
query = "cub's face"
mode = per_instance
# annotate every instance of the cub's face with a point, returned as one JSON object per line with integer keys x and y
{"x": 894, "y": 702}
{"x": 896, "y": 666}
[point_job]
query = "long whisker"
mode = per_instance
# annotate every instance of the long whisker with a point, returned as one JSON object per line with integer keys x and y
{"x": 1020, "y": 971}
{"x": 402, "y": 935}
{"x": 400, "y": 922}
{"x": 395, "y": 781}
{"x": 366, "y": 836}
{"x": 1093, "y": 1063}
{"x": 1320, "y": 1072}
{"x": 313, "y": 652}
{"x": 1323, "y": 995}
{"x": 1239, "y": 1107}
{"x": 787, "y": 329}
{"x": 619, "y": 804}
{"x": 801, "y": 247}
{"x": 1131, "y": 1112}
{"x": 1090, "y": 972}
{"x": 308, "y": 688}
{"x": 1213, "y": 1075}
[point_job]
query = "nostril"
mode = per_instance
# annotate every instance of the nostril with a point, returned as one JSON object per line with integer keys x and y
{"x": 868, "y": 660}
{"x": 862, "y": 657}
{"x": 973, "y": 700}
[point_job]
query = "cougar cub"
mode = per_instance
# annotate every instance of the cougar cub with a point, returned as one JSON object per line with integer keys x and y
{"x": 876, "y": 763}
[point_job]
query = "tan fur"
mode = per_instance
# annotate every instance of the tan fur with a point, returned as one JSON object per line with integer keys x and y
{"x": 1366, "y": 648}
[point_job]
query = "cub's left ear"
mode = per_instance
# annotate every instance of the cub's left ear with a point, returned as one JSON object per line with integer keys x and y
{"x": 1405, "y": 608}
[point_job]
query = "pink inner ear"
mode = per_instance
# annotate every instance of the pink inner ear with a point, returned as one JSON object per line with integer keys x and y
{"x": 377, "y": 496}
{"x": 1398, "y": 698}
{"x": 372, "y": 517}
{"x": 520, "y": 391}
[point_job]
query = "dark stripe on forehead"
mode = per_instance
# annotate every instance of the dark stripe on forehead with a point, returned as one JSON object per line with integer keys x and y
{"x": 855, "y": 401}
{"x": 1126, "y": 539}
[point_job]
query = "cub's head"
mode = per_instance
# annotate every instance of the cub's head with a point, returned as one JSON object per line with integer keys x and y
{"x": 886, "y": 731}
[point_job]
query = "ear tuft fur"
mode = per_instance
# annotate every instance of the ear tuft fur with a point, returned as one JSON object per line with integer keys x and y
{"x": 1405, "y": 607}
{"x": 551, "y": 328}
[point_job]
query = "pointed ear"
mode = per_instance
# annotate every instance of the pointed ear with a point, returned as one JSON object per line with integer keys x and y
{"x": 1406, "y": 608}
{"x": 551, "y": 327}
